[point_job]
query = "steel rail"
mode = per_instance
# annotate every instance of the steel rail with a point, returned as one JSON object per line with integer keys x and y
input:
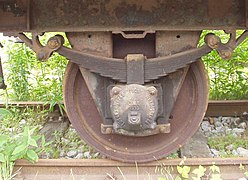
{"x": 215, "y": 108}
{"x": 96, "y": 169}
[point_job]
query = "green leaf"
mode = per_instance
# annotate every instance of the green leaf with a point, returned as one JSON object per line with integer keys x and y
{"x": 200, "y": 171}
{"x": 32, "y": 155}
{"x": 241, "y": 167}
{"x": 26, "y": 132}
{"x": 179, "y": 169}
{"x": 2, "y": 158}
{"x": 185, "y": 172}
{"x": 186, "y": 169}
{"x": 32, "y": 131}
{"x": 246, "y": 174}
{"x": 215, "y": 168}
{"x": 19, "y": 149}
{"x": 15, "y": 157}
{"x": 185, "y": 175}
{"x": 9, "y": 149}
{"x": 4, "y": 112}
{"x": 32, "y": 142}
{"x": 3, "y": 139}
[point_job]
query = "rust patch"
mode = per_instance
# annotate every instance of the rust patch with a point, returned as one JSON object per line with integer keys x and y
{"x": 219, "y": 8}
{"x": 144, "y": 5}
{"x": 14, "y": 15}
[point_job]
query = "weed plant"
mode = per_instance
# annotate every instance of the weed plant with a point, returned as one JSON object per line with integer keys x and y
{"x": 31, "y": 80}
{"x": 19, "y": 137}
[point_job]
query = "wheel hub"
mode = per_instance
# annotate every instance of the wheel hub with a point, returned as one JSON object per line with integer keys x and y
{"x": 134, "y": 109}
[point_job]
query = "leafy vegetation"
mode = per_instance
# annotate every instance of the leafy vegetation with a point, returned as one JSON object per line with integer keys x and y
{"x": 21, "y": 146}
{"x": 29, "y": 79}
{"x": 17, "y": 119}
{"x": 228, "y": 78}
{"x": 186, "y": 172}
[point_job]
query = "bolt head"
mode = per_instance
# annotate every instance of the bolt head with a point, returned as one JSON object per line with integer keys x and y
{"x": 212, "y": 40}
{"x": 53, "y": 43}
{"x": 152, "y": 90}
{"x": 116, "y": 90}
{"x": 226, "y": 54}
{"x": 162, "y": 129}
{"x": 109, "y": 130}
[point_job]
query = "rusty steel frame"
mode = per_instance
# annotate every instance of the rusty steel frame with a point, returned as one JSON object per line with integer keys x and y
{"x": 120, "y": 15}
{"x": 152, "y": 68}
{"x": 56, "y": 169}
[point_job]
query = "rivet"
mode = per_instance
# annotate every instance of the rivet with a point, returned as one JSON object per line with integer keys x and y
{"x": 152, "y": 90}
{"x": 116, "y": 90}
{"x": 108, "y": 130}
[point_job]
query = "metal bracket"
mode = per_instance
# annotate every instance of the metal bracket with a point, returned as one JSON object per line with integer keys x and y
{"x": 224, "y": 50}
{"x": 135, "y": 69}
{"x": 43, "y": 52}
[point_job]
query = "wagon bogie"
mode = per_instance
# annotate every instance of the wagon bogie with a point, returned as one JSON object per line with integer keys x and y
{"x": 135, "y": 87}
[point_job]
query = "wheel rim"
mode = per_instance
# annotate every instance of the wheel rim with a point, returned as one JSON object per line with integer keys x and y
{"x": 187, "y": 114}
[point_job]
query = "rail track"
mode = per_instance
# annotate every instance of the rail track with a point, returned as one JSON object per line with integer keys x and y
{"x": 102, "y": 169}
{"x": 215, "y": 108}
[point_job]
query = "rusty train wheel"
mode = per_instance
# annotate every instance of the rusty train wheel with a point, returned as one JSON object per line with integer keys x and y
{"x": 187, "y": 114}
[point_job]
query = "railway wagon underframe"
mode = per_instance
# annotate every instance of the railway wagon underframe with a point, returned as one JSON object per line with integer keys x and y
{"x": 135, "y": 87}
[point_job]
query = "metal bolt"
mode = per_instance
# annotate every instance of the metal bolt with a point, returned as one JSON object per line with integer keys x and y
{"x": 226, "y": 54}
{"x": 55, "y": 42}
{"x": 163, "y": 129}
{"x": 152, "y": 90}
{"x": 108, "y": 130}
{"x": 116, "y": 90}
{"x": 212, "y": 40}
